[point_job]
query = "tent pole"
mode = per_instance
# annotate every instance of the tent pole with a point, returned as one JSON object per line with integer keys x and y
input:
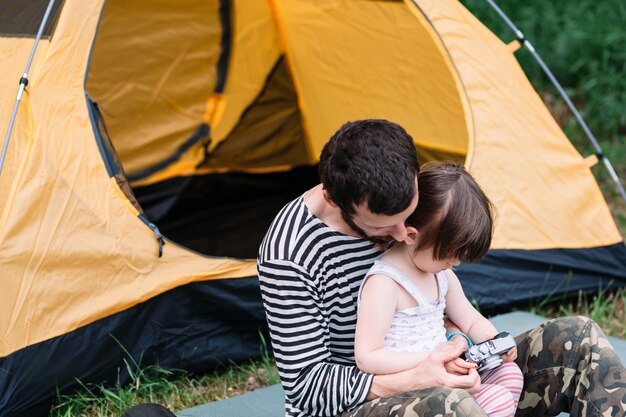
{"x": 24, "y": 83}
{"x": 599, "y": 153}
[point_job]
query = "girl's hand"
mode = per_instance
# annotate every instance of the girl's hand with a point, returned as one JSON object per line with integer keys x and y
{"x": 510, "y": 356}
{"x": 459, "y": 366}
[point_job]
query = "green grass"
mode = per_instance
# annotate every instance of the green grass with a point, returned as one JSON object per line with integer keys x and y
{"x": 174, "y": 389}
{"x": 606, "y": 308}
{"x": 177, "y": 390}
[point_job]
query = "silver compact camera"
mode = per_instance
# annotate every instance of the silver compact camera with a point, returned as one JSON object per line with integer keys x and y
{"x": 487, "y": 354}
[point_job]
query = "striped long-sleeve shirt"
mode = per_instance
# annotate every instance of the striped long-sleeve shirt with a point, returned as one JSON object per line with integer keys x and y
{"x": 310, "y": 276}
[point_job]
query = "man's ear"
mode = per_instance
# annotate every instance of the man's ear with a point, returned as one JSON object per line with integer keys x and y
{"x": 411, "y": 235}
{"x": 328, "y": 199}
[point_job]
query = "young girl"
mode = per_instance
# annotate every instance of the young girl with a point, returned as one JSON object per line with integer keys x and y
{"x": 404, "y": 295}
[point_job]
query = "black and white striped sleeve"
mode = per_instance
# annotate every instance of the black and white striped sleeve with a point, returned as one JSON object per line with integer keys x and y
{"x": 300, "y": 336}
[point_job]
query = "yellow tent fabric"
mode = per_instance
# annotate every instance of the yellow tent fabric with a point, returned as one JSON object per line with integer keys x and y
{"x": 62, "y": 217}
{"x": 428, "y": 65}
{"x": 377, "y": 78}
{"x": 466, "y": 77}
{"x": 522, "y": 158}
{"x": 157, "y": 99}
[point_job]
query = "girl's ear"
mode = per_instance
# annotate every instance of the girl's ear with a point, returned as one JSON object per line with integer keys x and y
{"x": 411, "y": 235}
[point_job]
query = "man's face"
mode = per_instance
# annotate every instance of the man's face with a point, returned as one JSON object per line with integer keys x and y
{"x": 379, "y": 227}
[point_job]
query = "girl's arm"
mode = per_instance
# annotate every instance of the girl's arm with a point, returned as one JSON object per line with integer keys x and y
{"x": 379, "y": 298}
{"x": 463, "y": 314}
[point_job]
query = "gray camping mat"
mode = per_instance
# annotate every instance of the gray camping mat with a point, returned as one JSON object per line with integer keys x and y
{"x": 269, "y": 401}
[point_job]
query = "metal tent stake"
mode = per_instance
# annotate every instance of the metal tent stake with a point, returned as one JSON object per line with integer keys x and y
{"x": 24, "y": 83}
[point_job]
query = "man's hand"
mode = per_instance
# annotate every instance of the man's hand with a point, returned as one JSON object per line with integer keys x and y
{"x": 430, "y": 373}
{"x": 451, "y": 371}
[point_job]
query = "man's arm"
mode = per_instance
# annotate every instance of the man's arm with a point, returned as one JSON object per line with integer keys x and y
{"x": 429, "y": 373}
{"x": 300, "y": 341}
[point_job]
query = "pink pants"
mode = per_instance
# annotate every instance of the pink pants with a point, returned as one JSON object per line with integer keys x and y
{"x": 500, "y": 390}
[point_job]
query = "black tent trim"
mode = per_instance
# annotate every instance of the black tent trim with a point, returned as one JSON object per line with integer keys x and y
{"x": 107, "y": 152}
{"x": 196, "y": 327}
{"x": 201, "y": 132}
{"x": 243, "y": 114}
{"x": 222, "y": 63}
{"x": 507, "y": 279}
{"x": 207, "y": 214}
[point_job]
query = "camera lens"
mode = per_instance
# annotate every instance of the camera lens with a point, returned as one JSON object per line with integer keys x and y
{"x": 490, "y": 363}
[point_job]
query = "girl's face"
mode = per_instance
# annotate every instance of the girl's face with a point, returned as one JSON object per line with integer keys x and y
{"x": 424, "y": 261}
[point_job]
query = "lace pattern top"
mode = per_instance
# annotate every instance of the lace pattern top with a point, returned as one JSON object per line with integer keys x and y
{"x": 419, "y": 328}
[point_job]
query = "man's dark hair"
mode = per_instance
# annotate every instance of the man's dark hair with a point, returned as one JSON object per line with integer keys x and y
{"x": 453, "y": 215}
{"x": 371, "y": 161}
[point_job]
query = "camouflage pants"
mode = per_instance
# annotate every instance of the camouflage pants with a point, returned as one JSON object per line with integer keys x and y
{"x": 568, "y": 366}
{"x": 429, "y": 402}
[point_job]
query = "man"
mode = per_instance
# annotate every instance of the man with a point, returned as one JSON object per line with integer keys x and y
{"x": 312, "y": 261}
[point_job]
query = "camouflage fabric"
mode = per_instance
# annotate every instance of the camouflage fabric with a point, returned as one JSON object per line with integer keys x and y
{"x": 568, "y": 366}
{"x": 429, "y": 402}
{"x": 570, "y": 361}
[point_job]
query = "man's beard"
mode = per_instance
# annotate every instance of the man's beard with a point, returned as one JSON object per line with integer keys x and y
{"x": 384, "y": 241}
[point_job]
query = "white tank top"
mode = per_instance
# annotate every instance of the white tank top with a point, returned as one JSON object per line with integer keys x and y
{"x": 419, "y": 328}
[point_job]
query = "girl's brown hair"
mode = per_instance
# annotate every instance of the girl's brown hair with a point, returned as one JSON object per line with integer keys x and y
{"x": 453, "y": 215}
